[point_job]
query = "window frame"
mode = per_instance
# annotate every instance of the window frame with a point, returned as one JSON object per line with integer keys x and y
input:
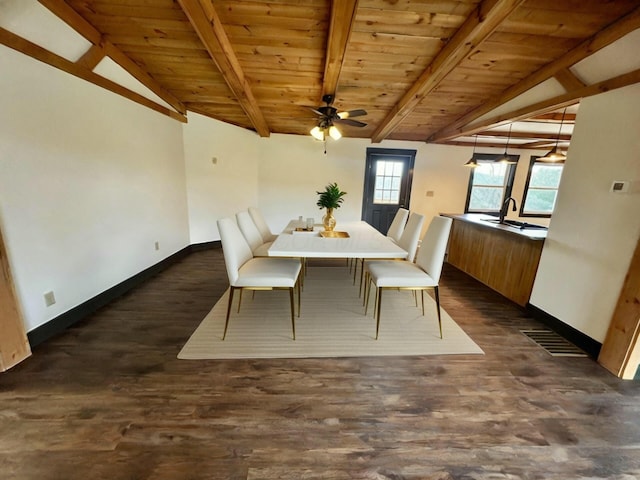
{"x": 532, "y": 161}
{"x": 508, "y": 186}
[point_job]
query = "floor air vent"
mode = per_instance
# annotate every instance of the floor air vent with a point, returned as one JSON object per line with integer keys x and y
{"x": 553, "y": 343}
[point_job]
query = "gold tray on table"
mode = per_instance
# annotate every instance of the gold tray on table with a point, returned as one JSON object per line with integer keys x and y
{"x": 334, "y": 234}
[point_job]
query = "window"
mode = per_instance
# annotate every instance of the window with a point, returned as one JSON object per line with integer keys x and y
{"x": 541, "y": 189}
{"x": 489, "y": 183}
{"x": 388, "y": 180}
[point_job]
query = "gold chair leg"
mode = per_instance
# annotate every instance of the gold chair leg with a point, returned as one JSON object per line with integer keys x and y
{"x": 293, "y": 317}
{"x": 361, "y": 278}
{"x": 299, "y": 296}
{"x": 367, "y": 291}
{"x": 379, "y": 302}
{"x": 422, "y": 296}
{"x": 226, "y": 322}
{"x": 438, "y": 307}
{"x": 240, "y": 299}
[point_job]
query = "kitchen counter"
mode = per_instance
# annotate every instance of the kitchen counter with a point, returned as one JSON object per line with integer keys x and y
{"x": 502, "y": 257}
{"x": 539, "y": 232}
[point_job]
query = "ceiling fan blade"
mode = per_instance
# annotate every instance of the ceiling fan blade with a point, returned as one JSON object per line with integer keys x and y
{"x": 314, "y": 110}
{"x": 352, "y": 113}
{"x": 348, "y": 121}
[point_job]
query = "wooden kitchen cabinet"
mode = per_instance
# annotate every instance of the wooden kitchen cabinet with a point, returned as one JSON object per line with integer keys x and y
{"x": 502, "y": 258}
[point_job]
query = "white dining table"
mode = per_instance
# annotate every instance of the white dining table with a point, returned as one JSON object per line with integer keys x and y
{"x": 364, "y": 241}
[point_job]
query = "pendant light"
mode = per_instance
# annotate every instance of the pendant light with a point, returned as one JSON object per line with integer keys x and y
{"x": 505, "y": 158}
{"x": 472, "y": 162}
{"x": 554, "y": 155}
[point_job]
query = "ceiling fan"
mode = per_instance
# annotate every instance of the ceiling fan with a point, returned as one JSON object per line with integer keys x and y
{"x": 330, "y": 115}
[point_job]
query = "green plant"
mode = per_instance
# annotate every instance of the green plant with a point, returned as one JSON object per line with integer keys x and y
{"x": 331, "y": 197}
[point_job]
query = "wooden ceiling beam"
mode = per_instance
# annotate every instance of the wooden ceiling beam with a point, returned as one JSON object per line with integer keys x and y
{"x": 568, "y": 80}
{"x": 343, "y": 14}
{"x": 539, "y": 144}
{"x": 605, "y": 37}
{"x": 92, "y": 57}
{"x": 479, "y": 146}
{"x": 553, "y": 117}
{"x": 26, "y": 47}
{"x": 76, "y": 21}
{"x": 545, "y": 106}
{"x": 482, "y": 22}
{"x": 506, "y": 134}
{"x": 204, "y": 19}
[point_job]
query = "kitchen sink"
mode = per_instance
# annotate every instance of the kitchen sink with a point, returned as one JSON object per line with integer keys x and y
{"x": 517, "y": 224}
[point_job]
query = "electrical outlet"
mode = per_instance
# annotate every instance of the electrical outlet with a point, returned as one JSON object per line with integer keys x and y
{"x": 430, "y": 193}
{"x": 157, "y": 245}
{"x": 49, "y": 299}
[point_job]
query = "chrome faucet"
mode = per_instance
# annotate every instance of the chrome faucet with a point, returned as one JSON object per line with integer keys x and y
{"x": 505, "y": 207}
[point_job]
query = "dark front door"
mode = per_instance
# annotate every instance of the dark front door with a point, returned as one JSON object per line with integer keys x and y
{"x": 387, "y": 185}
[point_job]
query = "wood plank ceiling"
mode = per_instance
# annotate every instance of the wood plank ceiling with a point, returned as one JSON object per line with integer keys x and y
{"x": 423, "y": 70}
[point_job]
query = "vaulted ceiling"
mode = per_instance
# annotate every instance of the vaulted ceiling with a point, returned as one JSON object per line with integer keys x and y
{"x": 430, "y": 70}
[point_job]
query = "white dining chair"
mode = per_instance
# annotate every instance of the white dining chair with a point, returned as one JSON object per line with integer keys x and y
{"x": 422, "y": 275}
{"x": 247, "y": 272}
{"x": 261, "y": 223}
{"x": 408, "y": 241}
{"x": 252, "y": 235}
{"x": 411, "y": 235}
{"x": 397, "y": 225}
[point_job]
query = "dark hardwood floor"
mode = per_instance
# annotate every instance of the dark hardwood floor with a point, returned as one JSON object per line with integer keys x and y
{"x": 108, "y": 399}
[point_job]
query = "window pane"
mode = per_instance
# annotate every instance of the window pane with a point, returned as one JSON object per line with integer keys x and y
{"x": 485, "y": 198}
{"x": 542, "y": 188}
{"x": 489, "y": 174}
{"x": 387, "y": 183}
{"x": 545, "y": 176}
{"x": 540, "y": 201}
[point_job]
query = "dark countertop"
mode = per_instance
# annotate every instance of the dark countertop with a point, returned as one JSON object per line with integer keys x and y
{"x": 481, "y": 219}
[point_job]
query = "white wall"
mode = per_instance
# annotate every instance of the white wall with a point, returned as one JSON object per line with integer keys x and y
{"x": 293, "y": 168}
{"x": 89, "y": 181}
{"x": 282, "y": 173}
{"x": 593, "y": 232}
{"x": 224, "y": 188}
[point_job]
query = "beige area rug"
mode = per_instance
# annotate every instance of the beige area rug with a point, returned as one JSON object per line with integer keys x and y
{"x": 332, "y": 324}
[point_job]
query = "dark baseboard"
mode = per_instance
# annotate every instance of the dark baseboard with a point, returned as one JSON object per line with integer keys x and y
{"x": 196, "y": 247}
{"x": 62, "y": 322}
{"x": 579, "y": 339}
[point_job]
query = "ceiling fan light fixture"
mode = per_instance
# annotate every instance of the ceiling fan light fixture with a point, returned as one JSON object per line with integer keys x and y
{"x": 334, "y": 133}
{"x": 317, "y": 133}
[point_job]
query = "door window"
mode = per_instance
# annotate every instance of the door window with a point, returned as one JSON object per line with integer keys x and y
{"x": 388, "y": 182}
